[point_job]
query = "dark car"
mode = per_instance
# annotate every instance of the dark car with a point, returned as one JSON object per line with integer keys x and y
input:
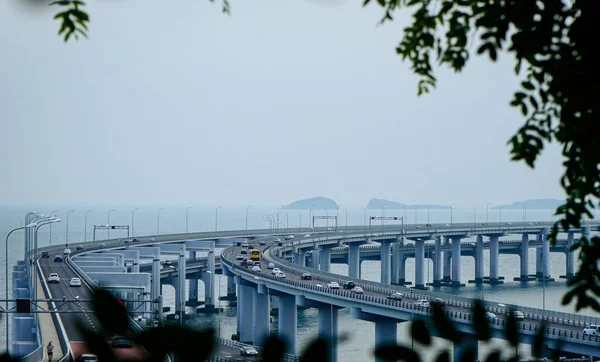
{"x": 438, "y": 301}
{"x": 248, "y": 351}
{"x": 243, "y": 251}
{"x": 121, "y": 342}
{"x": 306, "y": 276}
{"x": 244, "y": 263}
{"x": 395, "y": 296}
{"x": 135, "y": 240}
{"x": 79, "y": 247}
{"x": 251, "y": 247}
{"x": 349, "y": 285}
{"x": 45, "y": 254}
{"x": 58, "y": 259}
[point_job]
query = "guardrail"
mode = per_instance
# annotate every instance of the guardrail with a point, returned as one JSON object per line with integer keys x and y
{"x": 234, "y": 344}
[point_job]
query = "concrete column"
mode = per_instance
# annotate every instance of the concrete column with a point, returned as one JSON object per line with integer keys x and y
{"x": 494, "y": 250}
{"x": 314, "y": 258}
{"x": 419, "y": 264}
{"x": 178, "y": 296}
{"x": 328, "y": 328}
{"x": 193, "y": 292}
{"x": 479, "y": 260}
{"x": 386, "y": 261}
{"x": 524, "y": 257}
{"x": 385, "y": 333}
{"x": 136, "y": 267}
{"x": 296, "y": 257}
{"x": 325, "y": 259}
{"x": 353, "y": 260}
{"x": 156, "y": 288}
{"x": 209, "y": 285}
{"x": 302, "y": 258}
{"x": 437, "y": 262}
{"x": 246, "y": 309}
{"x": 456, "y": 261}
{"x": 261, "y": 315}
{"x": 181, "y": 283}
{"x": 395, "y": 263}
{"x": 230, "y": 288}
{"x": 538, "y": 261}
{"x": 570, "y": 256}
{"x": 446, "y": 260}
{"x": 546, "y": 255}
{"x": 287, "y": 322}
{"x": 402, "y": 266}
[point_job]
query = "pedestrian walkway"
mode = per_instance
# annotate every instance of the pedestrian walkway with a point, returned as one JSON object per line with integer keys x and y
{"x": 49, "y": 333}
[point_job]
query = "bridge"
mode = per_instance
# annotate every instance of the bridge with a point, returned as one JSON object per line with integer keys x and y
{"x": 120, "y": 268}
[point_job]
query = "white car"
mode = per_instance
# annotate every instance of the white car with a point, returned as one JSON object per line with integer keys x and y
{"x": 239, "y": 257}
{"x": 280, "y": 275}
{"x": 307, "y": 235}
{"x": 53, "y": 278}
{"x": 290, "y": 237}
{"x": 277, "y": 239}
{"x": 519, "y": 315}
{"x": 75, "y": 282}
{"x": 592, "y": 329}
{"x": 422, "y": 303}
{"x": 102, "y": 246}
{"x": 67, "y": 252}
{"x": 333, "y": 285}
{"x": 256, "y": 268}
{"x": 358, "y": 290}
{"x": 271, "y": 266}
{"x": 275, "y": 271}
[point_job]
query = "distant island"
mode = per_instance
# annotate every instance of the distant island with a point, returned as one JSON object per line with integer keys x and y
{"x": 318, "y": 203}
{"x": 378, "y": 203}
{"x": 533, "y": 204}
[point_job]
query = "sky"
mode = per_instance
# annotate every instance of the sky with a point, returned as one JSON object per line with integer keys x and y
{"x": 172, "y": 102}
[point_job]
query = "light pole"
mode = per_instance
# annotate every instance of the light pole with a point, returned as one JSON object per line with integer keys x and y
{"x": 133, "y": 221}
{"x": 6, "y": 273}
{"x": 158, "y": 220}
{"x": 500, "y": 213}
{"x": 84, "y": 224}
{"x": 187, "y": 219}
{"x": 310, "y": 219}
{"x": 67, "y": 233}
{"x": 346, "y": 211}
{"x": 278, "y": 207}
{"x": 287, "y": 219}
{"x": 383, "y": 214}
{"x": 475, "y": 214}
{"x": 364, "y": 217}
{"x": 108, "y": 223}
{"x": 299, "y": 220}
{"x": 416, "y": 206}
{"x": 217, "y": 218}
{"x": 487, "y": 212}
{"x": 247, "y": 207}
{"x": 427, "y": 214}
{"x": 525, "y": 212}
{"x": 53, "y": 212}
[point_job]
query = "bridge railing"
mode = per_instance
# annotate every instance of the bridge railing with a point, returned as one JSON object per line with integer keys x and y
{"x": 235, "y": 344}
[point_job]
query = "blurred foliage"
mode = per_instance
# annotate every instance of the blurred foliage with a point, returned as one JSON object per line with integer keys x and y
{"x": 552, "y": 45}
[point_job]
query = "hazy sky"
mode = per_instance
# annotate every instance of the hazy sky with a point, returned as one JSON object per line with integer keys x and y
{"x": 172, "y": 102}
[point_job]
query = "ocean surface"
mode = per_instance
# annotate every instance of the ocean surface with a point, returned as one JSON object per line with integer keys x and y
{"x": 359, "y": 335}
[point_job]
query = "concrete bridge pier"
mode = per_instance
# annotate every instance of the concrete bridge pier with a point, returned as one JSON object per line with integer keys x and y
{"x": 420, "y": 264}
{"x": 479, "y": 260}
{"x": 192, "y": 286}
{"x": 385, "y": 333}
{"x": 209, "y": 294}
{"x": 386, "y": 261}
{"x": 314, "y": 258}
{"x": 288, "y": 321}
{"x": 230, "y": 289}
{"x": 494, "y": 251}
{"x": 538, "y": 262}
{"x": 395, "y": 266}
{"x": 460, "y": 348}
{"x": 437, "y": 262}
{"x": 570, "y": 256}
{"x": 325, "y": 259}
{"x": 155, "y": 290}
{"x": 456, "y": 262}
{"x": 261, "y": 315}
{"x": 354, "y": 260}
{"x": 524, "y": 254}
{"x": 328, "y": 328}
{"x": 447, "y": 262}
{"x": 302, "y": 258}
{"x": 544, "y": 257}
{"x": 245, "y": 313}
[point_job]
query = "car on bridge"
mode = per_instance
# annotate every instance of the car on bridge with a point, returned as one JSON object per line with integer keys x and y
{"x": 277, "y": 239}
{"x": 58, "y": 259}
{"x": 275, "y": 271}
{"x": 88, "y": 357}
{"x": 358, "y": 290}
{"x": 518, "y": 315}
{"x": 592, "y": 329}
{"x": 45, "y": 254}
{"x": 67, "y": 251}
{"x": 289, "y": 237}
{"x": 53, "y": 278}
{"x": 395, "y": 296}
{"x": 248, "y": 351}
{"x": 349, "y": 285}
{"x": 121, "y": 342}
{"x": 438, "y": 301}
{"x": 79, "y": 247}
{"x": 262, "y": 242}
{"x": 306, "y": 276}
{"x": 75, "y": 282}
{"x": 239, "y": 257}
{"x": 102, "y": 245}
{"x": 307, "y": 235}
{"x": 280, "y": 275}
{"x": 271, "y": 266}
{"x": 256, "y": 268}
{"x": 422, "y": 303}
{"x": 490, "y": 316}
{"x": 333, "y": 285}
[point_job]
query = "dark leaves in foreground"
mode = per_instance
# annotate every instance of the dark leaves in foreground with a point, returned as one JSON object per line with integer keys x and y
{"x": 420, "y": 332}
{"x": 480, "y": 322}
{"x": 110, "y": 312}
{"x": 444, "y": 356}
{"x": 5, "y": 357}
{"x": 537, "y": 348}
{"x": 273, "y": 349}
{"x": 390, "y": 352}
{"x": 317, "y": 351}
{"x": 511, "y": 331}
{"x": 443, "y": 324}
{"x": 187, "y": 344}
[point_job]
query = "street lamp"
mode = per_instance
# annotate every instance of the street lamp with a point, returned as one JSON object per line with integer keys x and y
{"x": 364, "y": 217}
{"x": 217, "y": 218}
{"x": 84, "y": 225}
{"x": 487, "y": 212}
{"x": 186, "y": 219}
{"x": 427, "y": 214}
{"x": 133, "y": 221}
{"x": 53, "y": 212}
{"x": 158, "y": 220}
{"x": 416, "y": 206}
{"x": 67, "y": 234}
{"x": 299, "y": 220}
{"x": 451, "y": 207}
{"x": 287, "y": 220}
{"x": 108, "y": 222}
{"x": 278, "y": 207}
{"x": 346, "y": 211}
{"x": 475, "y": 214}
{"x": 6, "y": 273}
{"x": 310, "y": 219}
{"x": 247, "y": 207}
{"x": 500, "y": 213}
{"x": 525, "y": 212}
{"x": 383, "y": 214}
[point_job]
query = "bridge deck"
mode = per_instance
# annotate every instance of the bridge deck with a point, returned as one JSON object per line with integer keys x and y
{"x": 48, "y": 330}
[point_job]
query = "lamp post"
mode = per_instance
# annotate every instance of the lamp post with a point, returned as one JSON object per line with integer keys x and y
{"x": 525, "y": 212}
{"x": 217, "y": 218}
{"x": 364, "y": 217}
{"x": 247, "y": 207}
{"x": 475, "y": 214}
{"x": 278, "y": 207}
{"x": 310, "y": 219}
{"x": 383, "y": 214}
{"x": 67, "y": 233}
{"x": 346, "y": 211}
{"x": 299, "y": 220}
{"x": 158, "y": 220}
{"x": 53, "y": 212}
{"x": 108, "y": 223}
{"x": 500, "y": 213}
{"x": 416, "y": 207}
{"x": 287, "y": 219}
{"x": 427, "y": 214}
{"x": 487, "y": 212}
{"x": 84, "y": 224}
{"x": 133, "y": 221}
{"x": 451, "y": 207}
{"x": 187, "y": 219}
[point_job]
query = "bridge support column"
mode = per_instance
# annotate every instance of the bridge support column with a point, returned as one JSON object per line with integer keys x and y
{"x": 325, "y": 259}
{"x": 301, "y": 258}
{"x": 524, "y": 254}
{"x": 328, "y": 328}
{"x": 420, "y": 264}
{"x": 246, "y": 310}
{"x": 314, "y": 258}
{"x": 479, "y": 260}
{"x": 545, "y": 255}
{"x": 353, "y": 260}
{"x": 386, "y": 261}
{"x": 209, "y": 294}
{"x": 395, "y": 274}
{"x": 456, "y": 262}
{"x": 538, "y": 261}
{"x": 192, "y": 292}
{"x": 494, "y": 251}
{"x": 446, "y": 260}
{"x": 287, "y": 322}
{"x": 296, "y": 256}
{"x": 570, "y": 256}
{"x": 437, "y": 262}
{"x": 230, "y": 289}
{"x": 156, "y": 288}
{"x": 181, "y": 283}
{"x": 262, "y": 309}
{"x": 385, "y": 333}
{"x": 179, "y": 298}
{"x": 460, "y": 348}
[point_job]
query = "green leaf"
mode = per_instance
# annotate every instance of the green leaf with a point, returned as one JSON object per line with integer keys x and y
{"x": 420, "y": 332}
{"x": 110, "y": 312}
{"x": 512, "y": 332}
{"x": 443, "y": 324}
{"x": 527, "y": 85}
{"x": 480, "y": 322}
{"x": 493, "y": 357}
